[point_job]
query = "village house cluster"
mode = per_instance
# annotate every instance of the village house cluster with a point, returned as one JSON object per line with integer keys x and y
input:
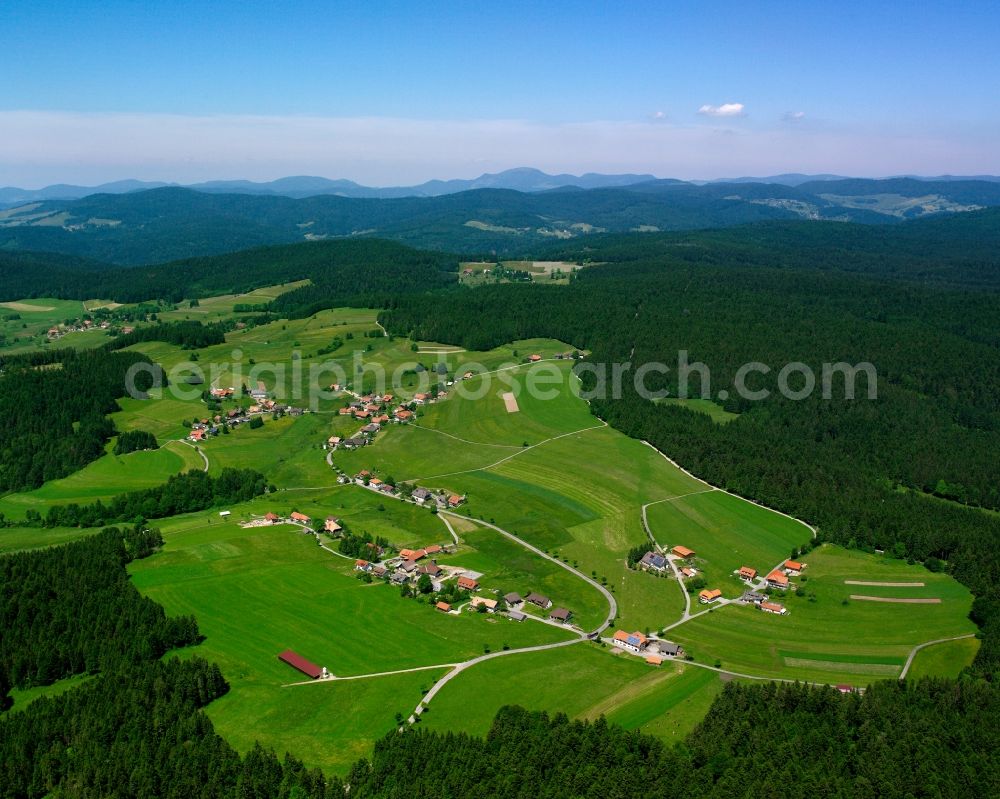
{"x": 654, "y": 649}
{"x": 777, "y": 579}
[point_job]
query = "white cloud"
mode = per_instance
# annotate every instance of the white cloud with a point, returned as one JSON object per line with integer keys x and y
{"x": 794, "y": 116}
{"x": 38, "y": 148}
{"x": 724, "y": 110}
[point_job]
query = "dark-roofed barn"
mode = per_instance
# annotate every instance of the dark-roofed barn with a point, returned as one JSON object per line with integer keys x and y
{"x": 296, "y": 661}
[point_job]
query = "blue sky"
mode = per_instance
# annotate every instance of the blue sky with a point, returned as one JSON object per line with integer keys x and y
{"x": 393, "y": 92}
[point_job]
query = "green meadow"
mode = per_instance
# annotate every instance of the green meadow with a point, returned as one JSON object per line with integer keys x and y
{"x": 584, "y": 681}
{"x": 24, "y": 324}
{"x": 105, "y": 478}
{"x": 259, "y": 591}
{"x": 718, "y": 414}
{"x": 827, "y": 636}
{"x": 551, "y": 473}
{"x": 507, "y": 566}
{"x": 946, "y": 659}
{"x": 726, "y": 532}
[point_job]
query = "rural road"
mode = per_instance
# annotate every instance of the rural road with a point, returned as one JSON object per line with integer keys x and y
{"x": 467, "y": 664}
{"x": 204, "y": 457}
{"x": 612, "y": 602}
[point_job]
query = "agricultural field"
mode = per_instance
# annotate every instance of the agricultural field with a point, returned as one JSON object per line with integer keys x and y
{"x": 24, "y": 324}
{"x": 214, "y": 309}
{"x": 583, "y": 681}
{"x": 717, "y": 413}
{"x": 829, "y": 637}
{"x": 726, "y": 533}
{"x": 259, "y": 591}
{"x": 507, "y": 567}
{"x": 946, "y": 659}
{"x": 537, "y": 465}
{"x": 105, "y": 478}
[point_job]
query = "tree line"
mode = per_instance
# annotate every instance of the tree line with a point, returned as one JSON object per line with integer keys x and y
{"x": 182, "y": 493}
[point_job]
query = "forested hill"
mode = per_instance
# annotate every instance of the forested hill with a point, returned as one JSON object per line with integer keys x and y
{"x": 951, "y": 250}
{"x": 165, "y": 224}
{"x": 361, "y": 270}
{"x": 904, "y": 472}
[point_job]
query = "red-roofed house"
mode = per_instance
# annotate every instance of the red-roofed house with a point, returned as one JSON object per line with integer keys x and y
{"x": 362, "y": 565}
{"x": 272, "y": 518}
{"x": 777, "y": 580}
{"x": 682, "y": 552}
{"x": 748, "y": 573}
{"x": 444, "y": 607}
{"x": 300, "y": 517}
{"x": 412, "y": 554}
{"x": 793, "y": 567}
{"x": 467, "y": 583}
{"x": 633, "y": 642}
{"x": 709, "y": 595}
{"x": 772, "y": 607}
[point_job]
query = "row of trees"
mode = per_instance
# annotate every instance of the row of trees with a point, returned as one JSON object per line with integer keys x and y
{"x": 896, "y": 740}
{"x": 182, "y": 493}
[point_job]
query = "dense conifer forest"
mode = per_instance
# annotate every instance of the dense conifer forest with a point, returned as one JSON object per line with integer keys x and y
{"x": 55, "y": 405}
{"x": 182, "y": 493}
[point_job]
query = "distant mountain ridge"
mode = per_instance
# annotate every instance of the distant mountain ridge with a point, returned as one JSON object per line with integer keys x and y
{"x": 299, "y": 186}
{"x": 168, "y": 223}
{"x": 525, "y": 179}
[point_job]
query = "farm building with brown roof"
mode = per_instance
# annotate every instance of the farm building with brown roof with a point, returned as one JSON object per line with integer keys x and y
{"x": 296, "y": 661}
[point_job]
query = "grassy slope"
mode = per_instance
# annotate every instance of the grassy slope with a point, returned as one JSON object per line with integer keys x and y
{"x": 582, "y": 681}
{"x": 258, "y": 591}
{"x": 106, "y": 477}
{"x": 726, "y": 533}
{"x": 827, "y": 640}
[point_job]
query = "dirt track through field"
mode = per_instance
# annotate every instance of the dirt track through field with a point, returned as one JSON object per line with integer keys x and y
{"x": 899, "y": 600}
{"x": 884, "y": 585}
{"x": 510, "y": 401}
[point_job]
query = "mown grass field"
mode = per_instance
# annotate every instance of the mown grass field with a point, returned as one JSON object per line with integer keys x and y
{"x": 583, "y": 681}
{"x": 214, "y": 309}
{"x": 726, "y": 532}
{"x": 106, "y": 477}
{"x": 944, "y": 660}
{"x": 507, "y": 567}
{"x": 835, "y": 639}
{"x": 718, "y": 414}
{"x": 24, "y": 324}
{"x": 259, "y": 591}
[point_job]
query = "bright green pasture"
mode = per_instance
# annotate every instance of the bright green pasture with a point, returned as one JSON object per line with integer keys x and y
{"x": 726, "y": 532}
{"x": 328, "y": 724}
{"x": 827, "y": 640}
{"x": 29, "y": 330}
{"x": 214, "y": 309}
{"x": 106, "y": 477}
{"x": 161, "y": 417}
{"x": 259, "y": 591}
{"x": 718, "y": 414}
{"x": 944, "y": 660}
{"x": 24, "y": 697}
{"x": 583, "y": 681}
{"x": 580, "y": 496}
{"x": 15, "y": 539}
{"x": 506, "y": 567}
{"x": 288, "y": 451}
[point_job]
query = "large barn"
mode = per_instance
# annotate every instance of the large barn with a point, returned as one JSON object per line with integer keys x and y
{"x": 298, "y": 662}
